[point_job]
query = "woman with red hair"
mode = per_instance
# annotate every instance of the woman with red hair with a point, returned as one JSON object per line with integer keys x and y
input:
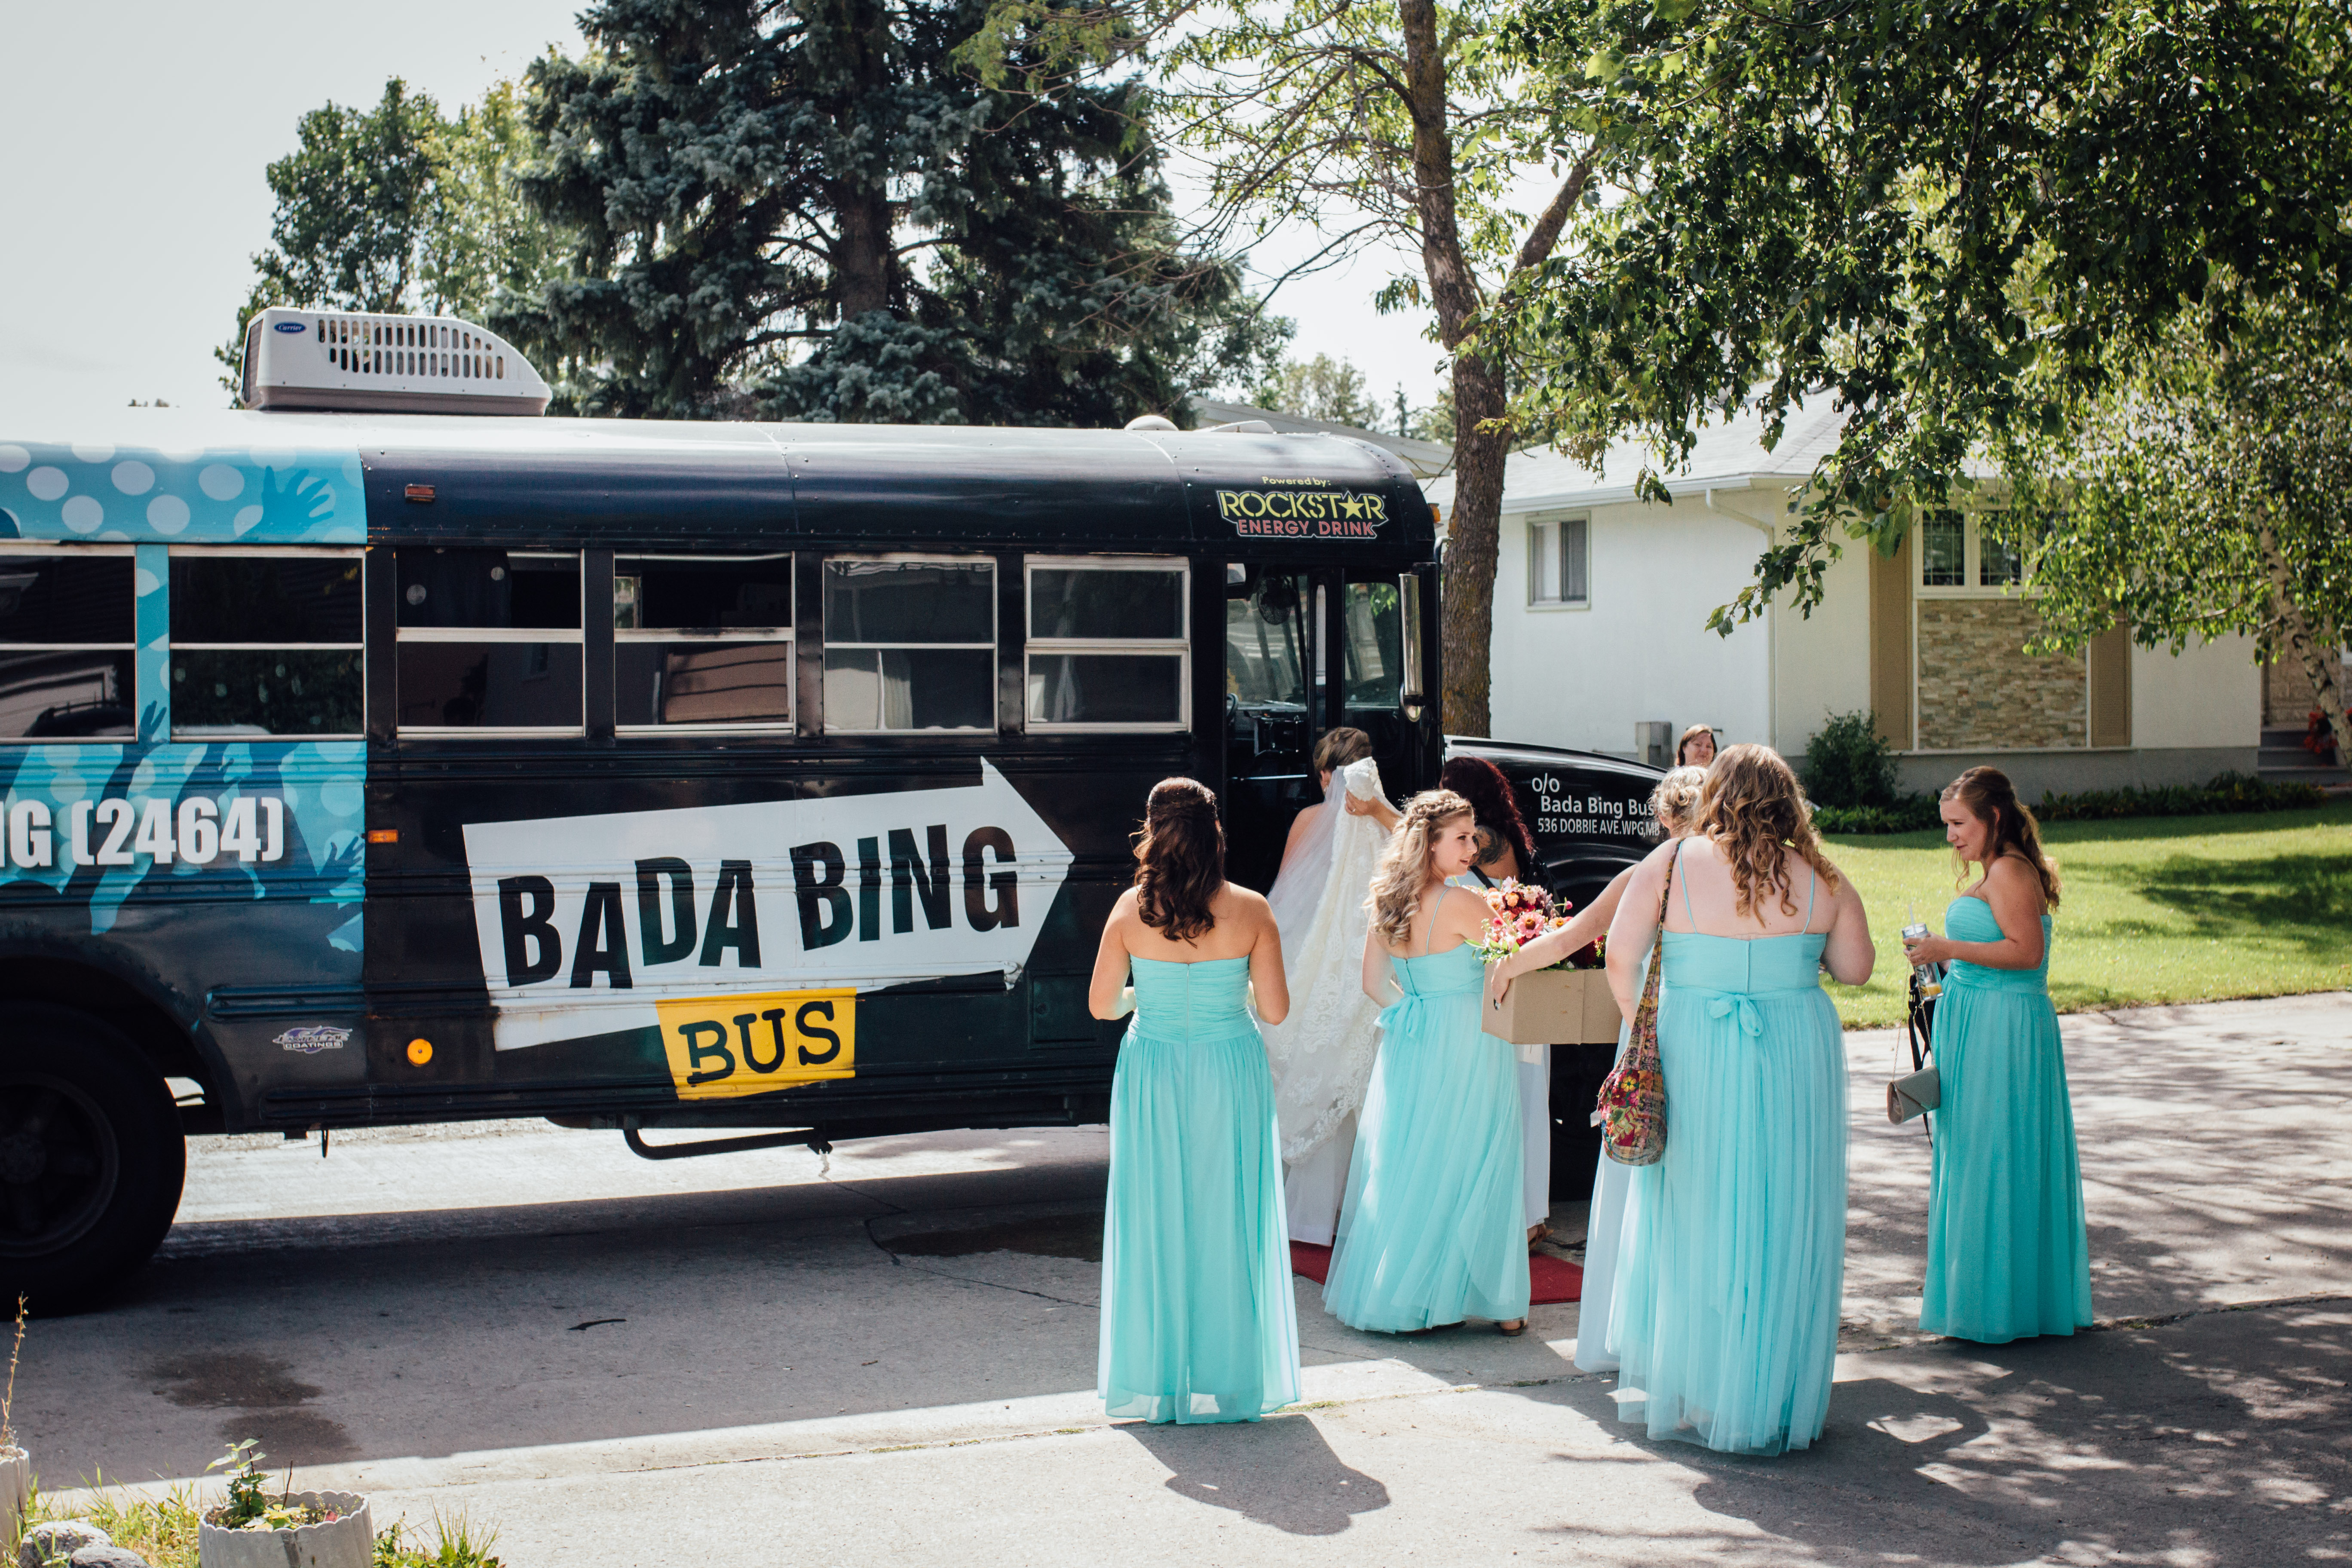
{"x": 1507, "y": 852}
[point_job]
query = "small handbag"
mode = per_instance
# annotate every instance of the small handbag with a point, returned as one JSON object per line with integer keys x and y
{"x": 1921, "y": 1089}
{"x": 1631, "y": 1114}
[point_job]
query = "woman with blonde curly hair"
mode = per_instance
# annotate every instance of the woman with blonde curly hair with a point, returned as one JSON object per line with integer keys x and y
{"x": 2008, "y": 1253}
{"x": 1430, "y": 1232}
{"x": 1197, "y": 1321}
{"x": 1725, "y": 1313}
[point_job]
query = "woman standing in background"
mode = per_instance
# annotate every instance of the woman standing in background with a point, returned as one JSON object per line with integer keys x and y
{"x": 1507, "y": 852}
{"x": 1198, "y": 1322}
{"x": 1726, "y": 1309}
{"x": 1696, "y": 748}
{"x": 1674, "y": 806}
{"x": 2008, "y": 1257}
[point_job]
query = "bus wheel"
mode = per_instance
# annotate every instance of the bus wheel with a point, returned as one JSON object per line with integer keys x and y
{"x": 91, "y": 1158}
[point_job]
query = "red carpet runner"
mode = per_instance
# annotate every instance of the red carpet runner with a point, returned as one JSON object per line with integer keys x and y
{"x": 1552, "y": 1280}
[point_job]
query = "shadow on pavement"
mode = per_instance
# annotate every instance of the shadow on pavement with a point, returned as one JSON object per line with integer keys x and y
{"x": 1280, "y": 1472}
{"x": 2216, "y": 1440}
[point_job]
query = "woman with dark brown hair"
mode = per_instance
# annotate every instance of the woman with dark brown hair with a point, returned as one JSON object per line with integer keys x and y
{"x": 2008, "y": 1255}
{"x": 1198, "y": 1324}
{"x": 1732, "y": 1256}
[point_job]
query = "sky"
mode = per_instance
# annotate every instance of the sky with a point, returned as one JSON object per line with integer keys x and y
{"x": 133, "y": 136}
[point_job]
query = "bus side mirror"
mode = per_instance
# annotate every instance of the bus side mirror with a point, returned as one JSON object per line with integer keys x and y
{"x": 1409, "y": 699}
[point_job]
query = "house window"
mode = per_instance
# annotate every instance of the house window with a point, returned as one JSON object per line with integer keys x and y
{"x": 1107, "y": 646}
{"x": 489, "y": 641}
{"x": 909, "y": 644}
{"x": 68, "y": 626}
{"x": 267, "y": 643}
{"x": 1560, "y": 561}
{"x": 702, "y": 642}
{"x": 1966, "y": 557}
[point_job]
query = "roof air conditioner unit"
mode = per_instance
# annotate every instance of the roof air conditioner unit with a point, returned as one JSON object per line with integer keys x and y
{"x": 351, "y": 362}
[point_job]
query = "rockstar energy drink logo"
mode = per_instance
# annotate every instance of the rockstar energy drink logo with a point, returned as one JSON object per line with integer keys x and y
{"x": 1303, "y": 514}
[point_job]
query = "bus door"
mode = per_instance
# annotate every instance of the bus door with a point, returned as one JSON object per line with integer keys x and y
{"x": 1271, "y": 653}
{"x": 1364, "y": 678}
{"x": 1307, "y": 651}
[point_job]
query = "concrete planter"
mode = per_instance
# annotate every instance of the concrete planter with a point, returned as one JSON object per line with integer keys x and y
{"x": 15, "y": 1486}
{"x": 348, "y": 1542}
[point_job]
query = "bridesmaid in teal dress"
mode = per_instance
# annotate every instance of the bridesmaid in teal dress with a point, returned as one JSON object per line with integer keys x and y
{"x": 2008, "y": 1257}
{"x": 1433, "y": 1229}
{"x": 1732, "y": 1253}
{"x": 1197, "y": 1321}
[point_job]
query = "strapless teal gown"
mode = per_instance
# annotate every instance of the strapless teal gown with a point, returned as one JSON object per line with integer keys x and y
{"x": 2006, "y": 1253}
{"x": 1198, "y": 1322}
{"x": 1433, "y": 1229}
{"x": 1732, "y": 1257}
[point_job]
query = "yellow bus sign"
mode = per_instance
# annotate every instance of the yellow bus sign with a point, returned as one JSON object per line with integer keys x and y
{"x": 720, "y": 1047}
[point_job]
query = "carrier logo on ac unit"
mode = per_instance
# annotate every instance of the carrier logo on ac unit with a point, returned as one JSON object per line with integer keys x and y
{"x": 590, "y": 925}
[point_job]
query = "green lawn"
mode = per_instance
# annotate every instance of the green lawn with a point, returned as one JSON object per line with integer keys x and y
{"x": 2164, "y": 908}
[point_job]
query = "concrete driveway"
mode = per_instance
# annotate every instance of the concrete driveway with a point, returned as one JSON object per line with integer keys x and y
{"x": 770, "y": 1358}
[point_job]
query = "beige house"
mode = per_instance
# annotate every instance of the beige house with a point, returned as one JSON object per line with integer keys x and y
{"x": 1601, "y": 604}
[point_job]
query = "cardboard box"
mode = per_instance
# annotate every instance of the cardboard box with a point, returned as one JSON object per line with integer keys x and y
{"x": 1557, "y": 1007}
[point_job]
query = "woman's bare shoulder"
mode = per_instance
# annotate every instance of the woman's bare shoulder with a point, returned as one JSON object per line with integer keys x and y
{"x": 2014, "y": 873}
{"x": 1239, "y": 904}
{"x": 1124, "y": 911}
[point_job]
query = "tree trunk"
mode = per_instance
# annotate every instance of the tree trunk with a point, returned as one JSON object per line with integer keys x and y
{"x": 865, "y": 254}
{"x": 2319, "y": 646}
{"x": 1468, "y": 614}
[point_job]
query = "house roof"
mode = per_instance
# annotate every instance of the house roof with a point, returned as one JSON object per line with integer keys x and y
{"x": 1728, "y": 455}
{"x": 1427, "y": 460}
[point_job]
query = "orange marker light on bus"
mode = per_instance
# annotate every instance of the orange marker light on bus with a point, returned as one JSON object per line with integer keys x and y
{"x": 420, "y": 1051}
{"x": 384, "y": 835}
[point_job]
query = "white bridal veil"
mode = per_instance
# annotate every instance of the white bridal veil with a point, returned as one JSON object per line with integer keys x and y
{"x": 1321, "y": 1054}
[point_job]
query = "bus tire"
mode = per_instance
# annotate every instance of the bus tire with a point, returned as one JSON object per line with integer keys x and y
{"x": 91, "y": 1158}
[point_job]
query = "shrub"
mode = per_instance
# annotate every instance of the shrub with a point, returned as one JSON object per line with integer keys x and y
{"x": 1849, "y": 764}
{"x": 2226, "y": 793}
{"x": 1909, "y": 813}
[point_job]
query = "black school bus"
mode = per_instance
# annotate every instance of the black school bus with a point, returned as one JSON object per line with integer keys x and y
{"x": 372, "y": 767}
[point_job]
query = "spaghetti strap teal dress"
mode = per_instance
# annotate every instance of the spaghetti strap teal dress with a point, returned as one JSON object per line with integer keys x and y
{"x": 2008, "y": 1257}
{"x": 1732, "y": 1256}
{"x": 1432, "y": 1228}
{"x": 1198, "y": 1322}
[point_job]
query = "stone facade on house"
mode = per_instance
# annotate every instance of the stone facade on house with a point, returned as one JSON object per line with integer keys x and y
{"x": 2288, "y": 695}
{"x": 1979, "y": 690}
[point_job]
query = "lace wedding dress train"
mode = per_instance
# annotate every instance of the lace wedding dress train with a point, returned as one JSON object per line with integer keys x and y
{"x": 1322, "y": 1053}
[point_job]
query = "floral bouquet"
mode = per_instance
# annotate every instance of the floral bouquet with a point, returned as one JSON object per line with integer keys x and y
{"x": 1517, "y": 914}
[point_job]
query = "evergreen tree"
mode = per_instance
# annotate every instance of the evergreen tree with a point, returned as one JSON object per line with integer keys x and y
{"x": 804, "y": 210}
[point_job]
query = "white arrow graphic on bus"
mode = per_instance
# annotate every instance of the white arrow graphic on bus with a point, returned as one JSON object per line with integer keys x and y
{"x": 587, "y": 923}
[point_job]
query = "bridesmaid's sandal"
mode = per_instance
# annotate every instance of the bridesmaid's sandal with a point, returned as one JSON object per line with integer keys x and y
{"x": 1513, "y": 1328}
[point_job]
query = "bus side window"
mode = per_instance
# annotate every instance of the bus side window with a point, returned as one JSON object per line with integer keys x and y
{"x": 67, "y": 630}
{"x": 489, "y": 641}
{"x": 702, "y": 642}
{"x": 265, "y": 643}
{"x": 909, "y": 644}
{"x": 1107, "y": 648}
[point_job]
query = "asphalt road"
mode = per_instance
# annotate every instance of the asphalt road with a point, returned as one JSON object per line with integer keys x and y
{"x": 771, "y": 1358}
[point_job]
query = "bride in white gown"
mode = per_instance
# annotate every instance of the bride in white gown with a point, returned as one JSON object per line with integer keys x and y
{"x": 1322, "y": 1053}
